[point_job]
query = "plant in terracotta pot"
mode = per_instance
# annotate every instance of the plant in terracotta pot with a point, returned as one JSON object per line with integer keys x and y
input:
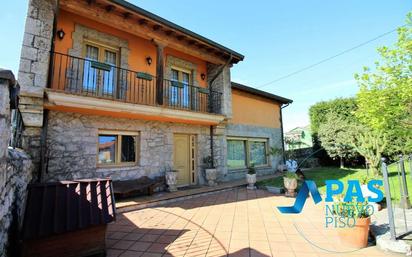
{"x": 251, "y": 177}
{"x": 356, "y": 217}
{"x": 210, "y": 171}
{"x": 171, "y": 179}
{"x": 290, "y": 181}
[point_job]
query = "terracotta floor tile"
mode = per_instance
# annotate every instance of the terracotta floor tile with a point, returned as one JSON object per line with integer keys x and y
{"x": 140, "y": 246}
{"x": 240, "y": 222}
{"x": 131, "y": 254}
{"x": 123, "y": 244}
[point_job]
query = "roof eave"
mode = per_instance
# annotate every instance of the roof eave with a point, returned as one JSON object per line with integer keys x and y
{"x": 261, "y": 93}
{"x": 165, "y": 22}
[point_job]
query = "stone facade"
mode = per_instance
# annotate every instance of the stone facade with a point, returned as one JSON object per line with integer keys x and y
{"x": 274, "y": 137}
{"x": 13, "y": 184}
{"x": 15, "y": 170}
{"x": 221, "y": 84}
{"x": 72, "y": 146}
{"x": 33, "y": 71}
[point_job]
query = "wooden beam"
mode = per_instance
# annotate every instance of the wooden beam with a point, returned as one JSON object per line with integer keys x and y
{"x": 156, "y": 27}
{"x": 169, "y": 32}
{"x": 181, "y": 37}
{"x": 142, "y": 22}
{"x": 110, "y": 8}
{"x": 127, "y": 15}
{"x": 116, "y": 21}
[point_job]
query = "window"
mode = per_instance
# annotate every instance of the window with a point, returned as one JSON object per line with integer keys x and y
{"x": 117, "y": 148}
{"x": 99, "y": 72}
{"x": 179, "y": 90}
{"x": 242, "y": 152}
{"x": 236, "y": 153}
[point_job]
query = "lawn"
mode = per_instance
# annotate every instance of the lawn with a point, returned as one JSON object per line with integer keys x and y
{"x": 319, "y": 175}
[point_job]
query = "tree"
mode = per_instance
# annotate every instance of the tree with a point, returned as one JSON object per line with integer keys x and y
{"x": 343, "y": 108}
{"x": 370, "y": 144}
{"x": 385, "y": 96}
{"x": 336, "y": 136}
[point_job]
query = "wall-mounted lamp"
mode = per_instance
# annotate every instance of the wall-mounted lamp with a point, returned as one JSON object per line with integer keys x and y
{"x": 149, "y": 60}
{"x": 60, "y": 34}
{"x": 203, "y": 76}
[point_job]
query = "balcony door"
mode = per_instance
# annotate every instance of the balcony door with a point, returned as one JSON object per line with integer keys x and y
{"x": 179, "y": 91}
{"x": 99, "y": 71}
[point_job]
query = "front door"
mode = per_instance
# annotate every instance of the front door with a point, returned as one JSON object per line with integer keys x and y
{"x": 184, "y": 159}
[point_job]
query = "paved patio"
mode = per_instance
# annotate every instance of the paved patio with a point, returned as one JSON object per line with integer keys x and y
{"x": 231, "y": 223}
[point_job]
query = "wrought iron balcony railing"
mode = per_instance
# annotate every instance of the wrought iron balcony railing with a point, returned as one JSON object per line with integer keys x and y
{"x": 88, "y": 77}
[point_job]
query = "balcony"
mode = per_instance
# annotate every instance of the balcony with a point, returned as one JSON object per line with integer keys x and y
{"x": 93, "y": 84}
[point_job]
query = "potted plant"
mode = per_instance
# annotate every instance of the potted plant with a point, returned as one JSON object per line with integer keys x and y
{"x": 356, "y": 234}
{"x": 210, "y": 171}
{"x": 290, "y": 181}
{"x": 171, "y": 179}
{"x": 251, "y": 177}
{"x": 276, "y": 152}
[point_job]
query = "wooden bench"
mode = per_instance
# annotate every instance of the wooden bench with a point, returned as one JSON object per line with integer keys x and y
{"x": 127, "y": 188}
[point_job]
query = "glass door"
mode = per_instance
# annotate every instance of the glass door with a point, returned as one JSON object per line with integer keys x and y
{"x": 99, "y": 71}
{"x": 179, "y": 90}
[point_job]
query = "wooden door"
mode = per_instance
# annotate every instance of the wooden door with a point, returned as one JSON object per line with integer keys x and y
{"x": 184, "y": 159}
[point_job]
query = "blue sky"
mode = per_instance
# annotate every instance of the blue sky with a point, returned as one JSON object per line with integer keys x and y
{"x": 276, "y": 37}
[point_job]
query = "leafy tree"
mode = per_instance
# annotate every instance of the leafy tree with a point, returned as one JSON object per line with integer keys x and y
{"x": 385, "y": 97}
{"x": 335, "y": 136}
{"x": 370, "y": 144}
{"x": 343, "y": 108}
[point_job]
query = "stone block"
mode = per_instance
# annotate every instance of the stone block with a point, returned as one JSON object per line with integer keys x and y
{"x": 26, "y": 79}
{"x": 29, "y": 53}
{"x": 42, "y": 43}
{"x": 28, "y": 39}
{"x": 33, "y": 26}
{"x": 25, "y": 65}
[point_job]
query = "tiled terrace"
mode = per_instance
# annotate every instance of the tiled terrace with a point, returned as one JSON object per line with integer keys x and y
{"x": 231, "y": 223}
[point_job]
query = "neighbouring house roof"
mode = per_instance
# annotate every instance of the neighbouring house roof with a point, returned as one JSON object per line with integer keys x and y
{"x": 55, "y": 208}
{"x": 235, "y": 55}
{"x": 261, "y": 93}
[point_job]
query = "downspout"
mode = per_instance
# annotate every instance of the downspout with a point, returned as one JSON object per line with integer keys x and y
{"x": 43, "y": 135}
{"x": 212, "y": 156}
{"x": 281, "y": 131}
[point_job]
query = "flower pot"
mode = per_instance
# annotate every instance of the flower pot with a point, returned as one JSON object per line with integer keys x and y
{"x": 211, "y": 175}
{"x": 290, "y": 184}
{"x": 171, "y": 180}
{"x": 251, "y": 180}
{"x": 357, "y": 236}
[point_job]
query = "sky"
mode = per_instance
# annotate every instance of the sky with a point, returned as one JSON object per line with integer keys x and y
{"x": 276, "y": 38}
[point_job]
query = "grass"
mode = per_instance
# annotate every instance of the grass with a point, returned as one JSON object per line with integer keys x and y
{"x": 319, "y": 175}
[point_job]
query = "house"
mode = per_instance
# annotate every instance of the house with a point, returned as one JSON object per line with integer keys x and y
{"x": 111, "y": 90}
{"x": 299, "y": 137}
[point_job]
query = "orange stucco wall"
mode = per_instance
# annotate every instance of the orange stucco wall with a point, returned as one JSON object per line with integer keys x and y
{"x": 139, "y": 48}
{"x": 249, "y": 109}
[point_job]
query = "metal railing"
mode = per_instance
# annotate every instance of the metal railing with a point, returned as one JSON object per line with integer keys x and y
{"x": 87, "y": 77}
{"x": 17, "y": 127}
{"x": 395, "y": 180}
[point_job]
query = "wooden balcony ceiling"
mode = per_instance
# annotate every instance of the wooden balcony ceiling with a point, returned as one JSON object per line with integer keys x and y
{"x": 128, "y": 17}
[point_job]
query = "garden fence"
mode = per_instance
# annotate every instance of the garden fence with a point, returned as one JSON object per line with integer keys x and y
{"x": 396, "y": 177}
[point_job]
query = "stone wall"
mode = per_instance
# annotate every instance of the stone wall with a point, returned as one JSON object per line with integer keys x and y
{"x": 274, "y": 137}
{"x": 222, "y": 84}
{"x": 72, "y": 146}
{"x": 33, "y": 71}
{"x": 15, "y": 171}
{"x": 13, "y": 184}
